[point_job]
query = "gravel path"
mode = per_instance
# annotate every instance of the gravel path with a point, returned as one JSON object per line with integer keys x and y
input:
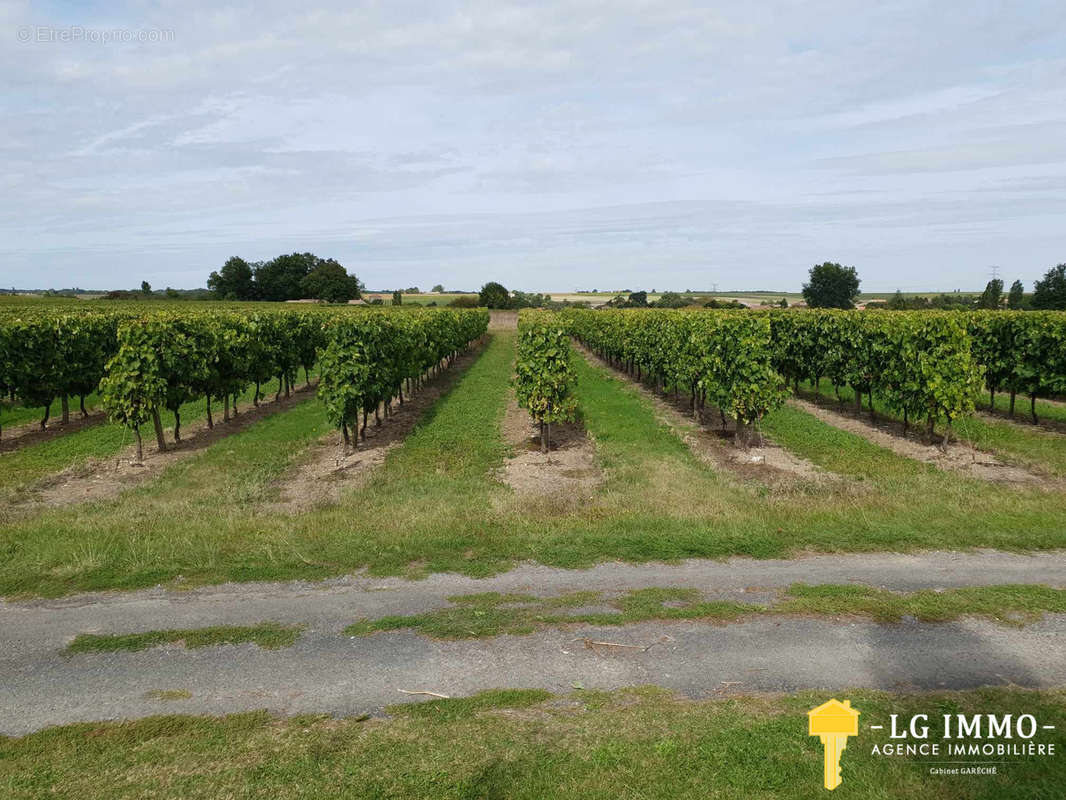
{"x": 329, "y": 672}
{"x": 48, "y": 624}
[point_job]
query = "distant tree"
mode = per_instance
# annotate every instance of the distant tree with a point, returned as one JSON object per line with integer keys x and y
{"x": 783, "y": 302}
{"x": 494, "y": 295}
{"x": 992, "y": 296}
{"x": 172, "y": 294}
{"x": 397, "y": 298}
{"x": 280, "y": 278}
{"x": 464, "y": 301}
{"x": 146, "y": 288}
{"x": 897, "y": 303}
{"x": 955, "y": 301}
{"x": 638, "y": 299}
{"x": 329, "y": 281}
{"x": 439, "y": 288}
{"x": 716, "y": 303}
{"x": 529, "y": 300}
{"x": 831, "y": 286}
{"x": 233, "y": 281}
{"x": 1049, "y": 294}
{"x": 672, "y": 300}
{"x": 1016, "y": 296}
{"x": 413, "y": 290}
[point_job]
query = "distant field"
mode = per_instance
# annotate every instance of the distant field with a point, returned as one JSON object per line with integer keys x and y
{"x": 420, "y": 299}
{"x": 748, "y": 298}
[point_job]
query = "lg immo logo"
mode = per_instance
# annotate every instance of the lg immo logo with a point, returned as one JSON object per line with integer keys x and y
{"x": 833, "y": 722}
{"x": 968, "y": 744}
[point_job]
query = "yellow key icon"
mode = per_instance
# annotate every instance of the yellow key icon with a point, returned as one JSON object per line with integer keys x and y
{"x": 833, "y": 722}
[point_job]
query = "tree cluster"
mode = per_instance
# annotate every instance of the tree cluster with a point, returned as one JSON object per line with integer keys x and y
{"x": 295, "y": 276}
{"x": 666, "y": 300}
{"x": 495, "y": 295}
{"x": 1049, "y": 294}
{"x": 944, "y": 302}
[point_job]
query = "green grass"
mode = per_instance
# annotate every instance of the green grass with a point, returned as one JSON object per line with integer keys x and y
{"x": 638, "y": 743}
{"x": 29, "y": 464}
{"x": 1029, "y": 446}
{"x": 631, "y": 443}
{"x": 425, "y": 298}
{"x": 1011, "y": 604}
{"x": 492, "y": 614}
{"x": 268, "y": 635}
{"x": 1045, "y": 410}
{"x": 14, "y": 413}
{"x": 1032, "y": 447}
{"x": 851, "y": 455}
{"x": 436, "y": 504}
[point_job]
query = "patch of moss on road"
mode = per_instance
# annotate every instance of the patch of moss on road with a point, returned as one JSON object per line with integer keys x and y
{"x": 267, "y": 635}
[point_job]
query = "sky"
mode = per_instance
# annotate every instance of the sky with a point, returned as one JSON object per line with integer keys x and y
{"x": 553, "y": 146}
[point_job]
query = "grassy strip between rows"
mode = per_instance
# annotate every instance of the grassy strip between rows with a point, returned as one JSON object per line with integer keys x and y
{"x": 1014, "y": 442}
{"x": 1052, "y": 411}
{"x": 13, "y": 413}
{"x": 632, "y": 743}
{"x": 268, "y": 635}
{"x": 493, "y": 614}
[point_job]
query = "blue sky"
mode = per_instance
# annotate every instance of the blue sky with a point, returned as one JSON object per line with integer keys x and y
{"x": 549, "y": 145}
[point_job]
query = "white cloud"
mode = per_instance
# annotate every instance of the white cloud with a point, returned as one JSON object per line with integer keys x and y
{"x": 549, "y": 143}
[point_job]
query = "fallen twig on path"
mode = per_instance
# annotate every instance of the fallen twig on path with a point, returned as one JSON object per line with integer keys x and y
{"x": 593, "y": 643}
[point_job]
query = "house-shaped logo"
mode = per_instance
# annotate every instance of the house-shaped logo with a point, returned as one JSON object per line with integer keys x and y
{"x": 833, "y": 722}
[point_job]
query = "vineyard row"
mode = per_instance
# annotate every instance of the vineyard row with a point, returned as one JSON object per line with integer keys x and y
{"x": 142, "y": 363}
{"x": 926, "y": 367}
